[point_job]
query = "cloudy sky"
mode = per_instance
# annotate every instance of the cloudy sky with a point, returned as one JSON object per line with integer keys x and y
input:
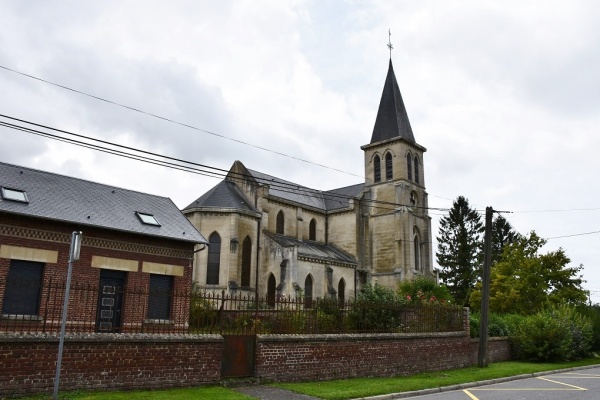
{"x": 505, "y": 95}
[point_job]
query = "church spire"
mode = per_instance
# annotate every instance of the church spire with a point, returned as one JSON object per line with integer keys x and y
{"x": 392, "y": 119}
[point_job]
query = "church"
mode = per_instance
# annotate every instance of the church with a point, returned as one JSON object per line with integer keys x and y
{"x": 279, "y": 239}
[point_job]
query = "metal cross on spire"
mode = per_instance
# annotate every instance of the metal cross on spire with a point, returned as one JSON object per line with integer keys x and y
{"x": 390, "y": 42}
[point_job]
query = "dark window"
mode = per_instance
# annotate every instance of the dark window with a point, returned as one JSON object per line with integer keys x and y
{"x": 312, "y": 230}
{"x": 246, "y": 261}
{"x": 409, "y": 166}
{"x": 416, "y": 169}
{"x": 389, "y": 173}
{"x": 271, "y": 286}
{"x": 280, "y": 228}
{"x": 377, "y": 169}
{"x": 308, "y": 291}
{"x": 214, "y": 259}
{"x": 341, "y": 290}
{"x": 159, "y": 297}
{"x": 417, "y": 250}
{"x": 23, "y": 287}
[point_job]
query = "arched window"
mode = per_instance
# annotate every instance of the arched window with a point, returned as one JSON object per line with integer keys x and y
{"x": 308, "y": 291}
{"x": 271, "y": 286}
{"x": 377, "y": 169}
{"x": 312, "y": 230}
{"x": 246, "y": 261}
{"x": 214, "y": 259}
{"x": 416, "y": 169}
{"x": 417, "y": 249}
{"x": 389, "y": 173}
{"x": 341, "y": 291}
{"x": 280, "y": 219}
{"x": 409, "y": 166}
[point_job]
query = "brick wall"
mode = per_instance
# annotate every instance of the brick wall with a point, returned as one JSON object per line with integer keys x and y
{"x": 107, "y": 363}
{"x": 110, "y": 362}
{"x": 314, "y": 357}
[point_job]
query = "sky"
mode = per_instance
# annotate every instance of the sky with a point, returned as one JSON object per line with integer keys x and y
{"x": 505, "y": 96}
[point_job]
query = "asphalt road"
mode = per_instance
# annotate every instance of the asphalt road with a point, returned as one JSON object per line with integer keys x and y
{"x": 583, "y": 384}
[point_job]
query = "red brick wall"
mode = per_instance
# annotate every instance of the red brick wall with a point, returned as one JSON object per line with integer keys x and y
{"x": 28, "y": 365}
{"x": 314, "y": 357}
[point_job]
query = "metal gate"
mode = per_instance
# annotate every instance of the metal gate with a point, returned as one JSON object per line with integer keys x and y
{"x": 238, "y": 356}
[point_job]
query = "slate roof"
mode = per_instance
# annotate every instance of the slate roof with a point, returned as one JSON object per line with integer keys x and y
{"x": 225, "y": 194}
{"x": 77, "y": 201}
{"x": 323, "y": 200}
{"x": 314, "y": 249}
{"x": 392, "y": 119}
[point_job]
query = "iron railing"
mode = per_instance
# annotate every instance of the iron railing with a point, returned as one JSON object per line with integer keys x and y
{"x": 194, "y": 312}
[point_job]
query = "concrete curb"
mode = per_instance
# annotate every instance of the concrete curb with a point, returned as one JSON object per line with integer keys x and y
{"x": 462, "y": 386}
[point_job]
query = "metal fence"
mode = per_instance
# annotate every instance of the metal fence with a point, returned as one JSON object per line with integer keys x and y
{"x": 204, "y": 312}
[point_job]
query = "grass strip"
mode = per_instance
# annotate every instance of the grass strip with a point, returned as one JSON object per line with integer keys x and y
{"x": 363, "y": 387}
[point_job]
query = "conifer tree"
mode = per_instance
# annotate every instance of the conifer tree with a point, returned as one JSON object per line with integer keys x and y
{"x": 502, "y": 234}
{"x": 459, "y": 253}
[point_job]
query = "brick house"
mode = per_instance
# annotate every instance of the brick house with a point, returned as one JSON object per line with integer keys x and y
{"x": 132, "y": 243}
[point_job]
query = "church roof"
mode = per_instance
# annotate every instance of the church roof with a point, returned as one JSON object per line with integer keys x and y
{"x": 225, "y": 195}
{"x": 290, "y": 191}
{"x": 338, "y": 198}
{"x": 392, "y": 119}
{"x": 314, "y": 250}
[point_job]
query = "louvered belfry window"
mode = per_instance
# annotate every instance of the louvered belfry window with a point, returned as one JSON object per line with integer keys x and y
{"x": 377, "y": 169}
{"x": 389, "y": 173}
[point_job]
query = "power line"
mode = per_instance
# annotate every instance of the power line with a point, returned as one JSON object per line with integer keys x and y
{"x": 175, "y": 122}
{"x": 180, "y": 164}
{"x": 573, "y": 235}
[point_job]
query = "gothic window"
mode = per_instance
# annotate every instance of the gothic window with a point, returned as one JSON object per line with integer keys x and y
{"x": 214, "y": 259}
{"x": 416, "y": 169}
{"x": 417, "y": 249}
{"x": 159, "y": 297}
{"x": 377, "y": 169}
{"x": 280, "y": 222}
{"x": 23, "y": 288}
{"x": 389, "y": 174}
{"x": 409, "y": 166}
{"x": 308, "y": 291}
{"x": 271, "y": 286}
{"x": 246, "y": 261}
{"x": 341, "y": 291}
{"x": 312, "y": 230}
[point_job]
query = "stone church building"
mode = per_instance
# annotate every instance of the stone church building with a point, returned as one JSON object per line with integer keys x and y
{"x": 282, "y": 239}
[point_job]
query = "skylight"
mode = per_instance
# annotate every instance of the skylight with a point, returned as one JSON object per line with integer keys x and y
{"x": 147, "y": 219}
{"x": 14, "y": 195}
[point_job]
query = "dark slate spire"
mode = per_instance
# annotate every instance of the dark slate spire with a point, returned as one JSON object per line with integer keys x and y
{"x": 392, "y": 119}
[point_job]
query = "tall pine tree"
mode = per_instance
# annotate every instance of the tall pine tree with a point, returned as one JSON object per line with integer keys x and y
{"x": 503, "y": 234}
{"x": 460, "y": 245}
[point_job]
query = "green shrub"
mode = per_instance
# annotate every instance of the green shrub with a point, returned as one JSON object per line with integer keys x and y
{"x": 555, "y": 334}
{"x": 425, "y": 291}
{"x": 499, "y": 325}
{"x": 376, "y": 309}
{"x": 203, "y": 313}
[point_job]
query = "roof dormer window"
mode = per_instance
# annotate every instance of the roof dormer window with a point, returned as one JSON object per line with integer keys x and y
{"x": 147, "y": 219}
{"x": 14, "y": 195}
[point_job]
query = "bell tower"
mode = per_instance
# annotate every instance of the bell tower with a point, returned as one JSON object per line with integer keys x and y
{"x": 395, "y": 219}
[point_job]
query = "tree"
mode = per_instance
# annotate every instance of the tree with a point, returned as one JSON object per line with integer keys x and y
{"x": 525, "y": 281}
{"x": 459, "y": 250}
{"x": 502, "y": 235}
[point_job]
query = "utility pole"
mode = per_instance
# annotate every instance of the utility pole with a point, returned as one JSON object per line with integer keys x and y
{"x": 485, "y": 289}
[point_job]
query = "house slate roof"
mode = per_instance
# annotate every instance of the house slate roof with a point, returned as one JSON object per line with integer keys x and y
{"x": 315, "y": 250}
{"x": 392, "y": 119}
{"x": 77, "y": 201}
{"x": 226, "y": 195}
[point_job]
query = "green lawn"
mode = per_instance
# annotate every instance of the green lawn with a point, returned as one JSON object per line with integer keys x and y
{"x": 363, "y": 387}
